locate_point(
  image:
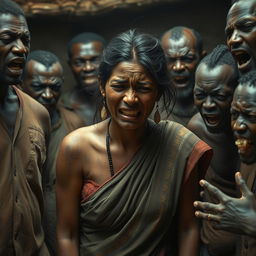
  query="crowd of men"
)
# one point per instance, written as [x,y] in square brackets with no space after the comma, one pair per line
[215,98]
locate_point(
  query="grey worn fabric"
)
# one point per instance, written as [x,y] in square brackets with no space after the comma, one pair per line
[132,213]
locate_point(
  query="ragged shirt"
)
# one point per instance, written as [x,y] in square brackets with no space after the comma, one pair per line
[22,159]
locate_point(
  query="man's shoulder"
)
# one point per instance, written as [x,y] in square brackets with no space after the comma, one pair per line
[33,110]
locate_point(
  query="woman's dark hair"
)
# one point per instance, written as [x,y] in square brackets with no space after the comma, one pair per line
[144,49]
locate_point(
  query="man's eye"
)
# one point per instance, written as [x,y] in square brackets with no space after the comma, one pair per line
[25,40]
[199,96]
[6,38]
[188,59]
[247,26]
[56,87]
[220,97]
[37,87]
[251,118]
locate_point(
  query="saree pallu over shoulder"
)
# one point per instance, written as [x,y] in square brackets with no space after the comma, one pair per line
[132,213]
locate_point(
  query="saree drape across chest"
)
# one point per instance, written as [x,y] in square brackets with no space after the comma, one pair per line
[132,213]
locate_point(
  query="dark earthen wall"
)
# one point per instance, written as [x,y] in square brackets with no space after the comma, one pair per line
[206,16]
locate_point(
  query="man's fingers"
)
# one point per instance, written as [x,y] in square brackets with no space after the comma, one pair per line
[213,191]
[207,207]
[242,185]
[207,216]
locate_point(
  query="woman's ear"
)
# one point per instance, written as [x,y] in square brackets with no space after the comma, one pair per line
[102,90]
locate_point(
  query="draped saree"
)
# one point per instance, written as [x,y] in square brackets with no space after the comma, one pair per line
[132,213]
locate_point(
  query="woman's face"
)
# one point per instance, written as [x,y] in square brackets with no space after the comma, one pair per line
[130,94]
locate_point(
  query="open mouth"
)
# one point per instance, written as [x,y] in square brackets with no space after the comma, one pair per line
[212,119]
[180,80]
[16,66]
[243,145]
[242,58]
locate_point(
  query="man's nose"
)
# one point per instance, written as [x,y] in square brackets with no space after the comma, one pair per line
[88,66]
[178,66]
[239,125]
[19,48]
[47,94]
[209,103]
[234,40]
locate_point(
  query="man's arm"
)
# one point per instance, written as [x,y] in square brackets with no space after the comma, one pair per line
[237,215]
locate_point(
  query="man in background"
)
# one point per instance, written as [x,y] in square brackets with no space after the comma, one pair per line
[84,55]
[43,80]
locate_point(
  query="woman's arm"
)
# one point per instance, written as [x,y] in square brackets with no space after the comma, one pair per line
[68,188]
[188,225]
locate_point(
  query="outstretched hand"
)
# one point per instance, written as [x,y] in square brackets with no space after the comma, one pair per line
[237,215]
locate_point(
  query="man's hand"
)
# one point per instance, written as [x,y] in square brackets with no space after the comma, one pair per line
[237,215]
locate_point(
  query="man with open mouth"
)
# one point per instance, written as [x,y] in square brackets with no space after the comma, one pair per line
[238,215]
[84,55]
[24,129]
[241,34]
[215,81]
[184,49]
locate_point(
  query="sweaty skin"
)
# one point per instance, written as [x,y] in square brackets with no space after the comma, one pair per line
[183,57]
[241,34]
[84,63]
[237,215]
[130,94]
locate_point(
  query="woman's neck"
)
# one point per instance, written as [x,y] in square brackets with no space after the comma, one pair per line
[127,137]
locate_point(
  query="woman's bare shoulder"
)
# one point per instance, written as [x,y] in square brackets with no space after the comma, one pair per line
[84,137]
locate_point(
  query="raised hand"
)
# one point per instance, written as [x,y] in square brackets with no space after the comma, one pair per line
[237,215]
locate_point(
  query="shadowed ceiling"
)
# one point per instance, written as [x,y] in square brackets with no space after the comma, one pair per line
[81,7]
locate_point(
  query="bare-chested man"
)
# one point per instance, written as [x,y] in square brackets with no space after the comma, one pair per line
[215,82]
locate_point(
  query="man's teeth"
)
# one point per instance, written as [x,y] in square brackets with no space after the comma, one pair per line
[242,143]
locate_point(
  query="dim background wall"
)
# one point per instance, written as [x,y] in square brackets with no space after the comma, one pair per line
[206,16]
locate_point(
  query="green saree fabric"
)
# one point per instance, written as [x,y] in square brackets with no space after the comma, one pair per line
[132,213]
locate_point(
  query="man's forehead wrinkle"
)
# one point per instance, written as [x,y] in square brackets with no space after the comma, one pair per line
[242,10]
[177,51]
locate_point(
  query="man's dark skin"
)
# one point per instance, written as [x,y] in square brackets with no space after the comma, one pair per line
[14,48]
[44,85]
[241,34]
[43,82]
[236,215]
[84,60]
[183,56]
[213,93]
[23,122]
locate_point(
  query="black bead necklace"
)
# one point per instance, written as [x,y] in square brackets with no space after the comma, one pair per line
[110,161]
